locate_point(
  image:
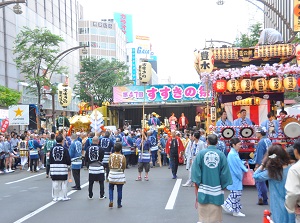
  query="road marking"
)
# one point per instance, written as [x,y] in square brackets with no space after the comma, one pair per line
[173,196]
[26,217]
[26,178]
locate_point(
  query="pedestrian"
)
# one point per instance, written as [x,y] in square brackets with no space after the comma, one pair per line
[292,185]
[23,148]
[211,175]
[174,150]
[94,157]
[144,157]
[260,151]
[117,165]
[107,145]
[183,122]
[127,144]
[47,148]
[195,148]
[59,162]
[274,168]
[75,155]
[237,168]
[33,147]
[172,121]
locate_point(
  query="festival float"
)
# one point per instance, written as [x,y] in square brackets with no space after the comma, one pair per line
[254,79]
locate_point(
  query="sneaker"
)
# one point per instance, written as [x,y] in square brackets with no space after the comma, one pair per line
[42,167]
[10,171]
[47,176]
[146,178]
[28,169]
[120,205]
[111,204]
[66,199]
[37,168]
[225,208]
[138,179]
[76,188]
[90,198]
[187,185]
[102,197]
[239,214]
[174,177]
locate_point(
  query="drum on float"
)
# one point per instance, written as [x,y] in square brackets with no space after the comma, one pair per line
[291,127]
[228,133]
[246,132]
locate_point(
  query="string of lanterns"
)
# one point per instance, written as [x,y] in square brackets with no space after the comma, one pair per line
[261,84]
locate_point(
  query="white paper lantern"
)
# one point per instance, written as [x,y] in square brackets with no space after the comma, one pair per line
[64,95]
[145,72]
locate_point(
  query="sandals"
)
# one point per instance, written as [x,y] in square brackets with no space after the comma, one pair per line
[146,178]
[138,179]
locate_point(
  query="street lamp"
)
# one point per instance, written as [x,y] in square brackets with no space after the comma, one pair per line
[59,57]
[17,8]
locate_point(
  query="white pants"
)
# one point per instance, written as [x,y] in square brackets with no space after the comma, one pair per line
[59,189]
[24,160]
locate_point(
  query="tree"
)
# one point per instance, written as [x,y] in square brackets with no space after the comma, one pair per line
[35,48]
[251,39]
[8,96]
[98,76]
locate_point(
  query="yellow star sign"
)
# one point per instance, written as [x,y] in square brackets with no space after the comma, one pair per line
[18,112]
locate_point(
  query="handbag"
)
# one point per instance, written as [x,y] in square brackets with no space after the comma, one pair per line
[248,179]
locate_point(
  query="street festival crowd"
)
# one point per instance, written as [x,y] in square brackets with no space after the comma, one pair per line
[212,164]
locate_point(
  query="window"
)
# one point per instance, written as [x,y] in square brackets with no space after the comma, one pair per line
[83,30]
[112,46]
[103,45]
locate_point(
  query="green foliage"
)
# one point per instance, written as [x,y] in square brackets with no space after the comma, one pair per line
[290,95]
[33,49]
[250,39]
[8,96]
[97,78]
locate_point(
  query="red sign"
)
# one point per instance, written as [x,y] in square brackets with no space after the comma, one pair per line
[5,124]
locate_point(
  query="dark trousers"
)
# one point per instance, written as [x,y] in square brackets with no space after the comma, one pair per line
[33,162]
[76,176]
[2,163]
[174,164]
[91,183]
[105,165]
[127,160]
[111,192]
[47,169]
[154,157]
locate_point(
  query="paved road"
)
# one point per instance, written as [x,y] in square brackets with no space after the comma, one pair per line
[26,197]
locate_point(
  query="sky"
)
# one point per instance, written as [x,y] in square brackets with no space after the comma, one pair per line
[176,27]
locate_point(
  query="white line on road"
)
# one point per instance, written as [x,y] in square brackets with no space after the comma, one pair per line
[26,178]
[26,217]
[173,196]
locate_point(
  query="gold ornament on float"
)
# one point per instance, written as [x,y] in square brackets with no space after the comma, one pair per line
[246,85]
[233,85]
[275,84]
[261,84]
[289,83]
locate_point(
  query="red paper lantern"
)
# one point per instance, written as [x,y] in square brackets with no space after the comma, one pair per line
[5,124]
[220,86]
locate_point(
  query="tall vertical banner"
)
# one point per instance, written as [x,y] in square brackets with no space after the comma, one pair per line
[133,65]
[124,22]
[296,15]
[18,115]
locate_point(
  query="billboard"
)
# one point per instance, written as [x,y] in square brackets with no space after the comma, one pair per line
[18,115]
[160,93]
[124,22]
